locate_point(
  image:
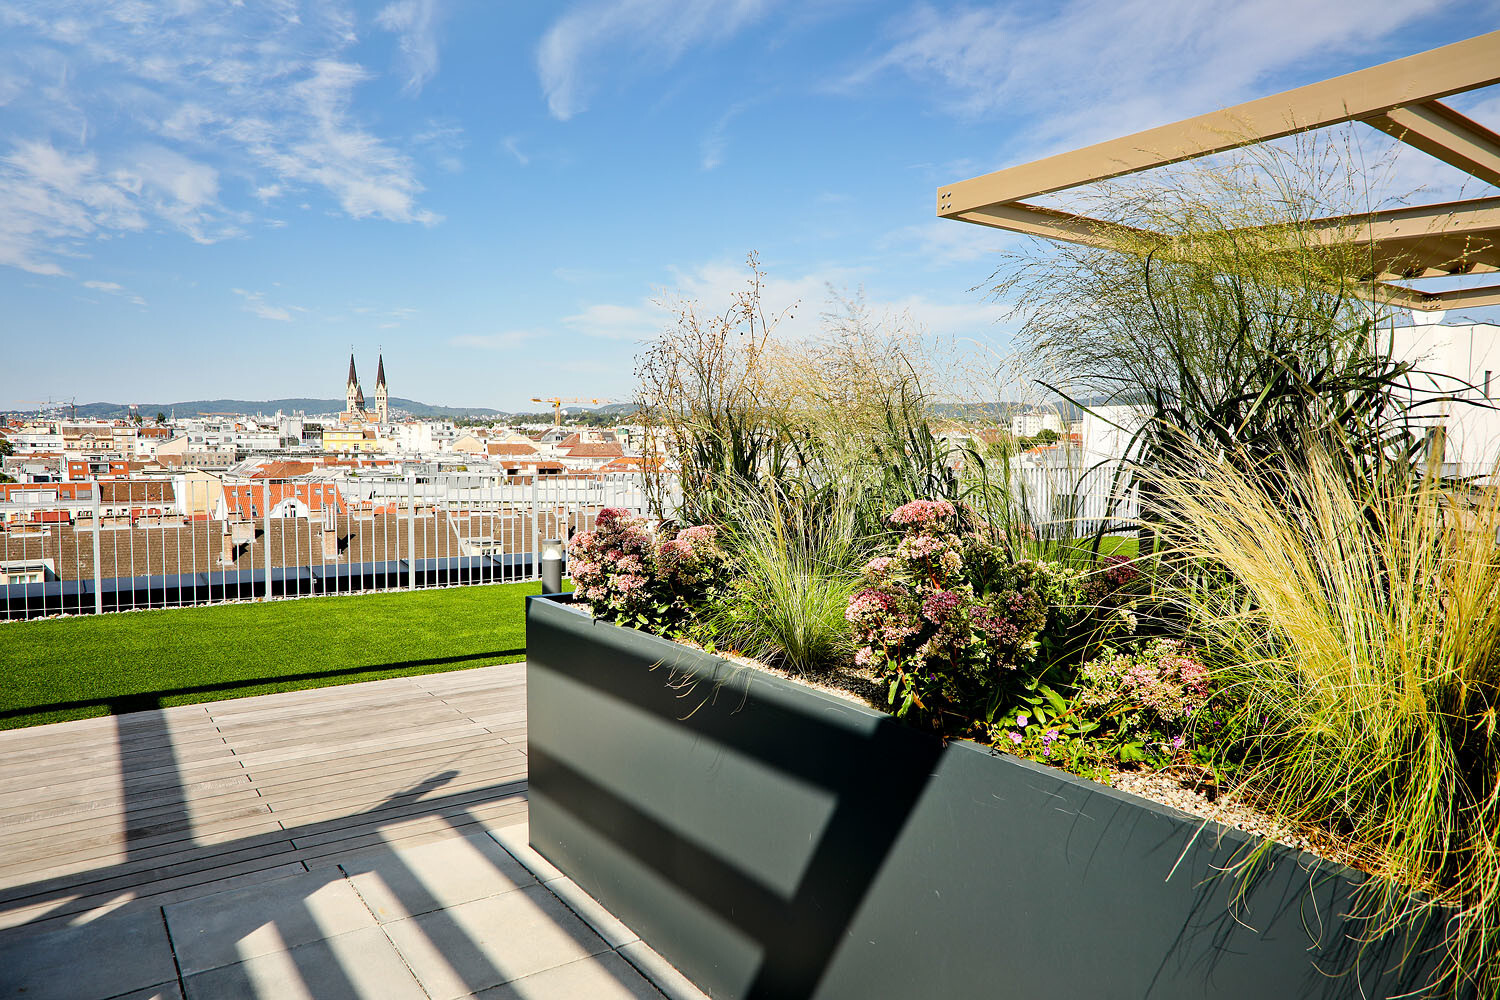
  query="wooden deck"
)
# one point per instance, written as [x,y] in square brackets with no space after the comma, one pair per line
[150,808]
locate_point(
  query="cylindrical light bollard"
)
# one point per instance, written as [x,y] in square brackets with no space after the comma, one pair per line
[552,565]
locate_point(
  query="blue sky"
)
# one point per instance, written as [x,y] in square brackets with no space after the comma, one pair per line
[204,199]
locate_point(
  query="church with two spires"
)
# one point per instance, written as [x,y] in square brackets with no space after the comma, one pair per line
[354,397]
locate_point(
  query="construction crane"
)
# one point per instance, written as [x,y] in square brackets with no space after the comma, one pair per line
[51,406]
[558,402]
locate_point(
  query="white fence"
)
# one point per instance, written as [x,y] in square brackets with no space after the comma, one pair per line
[193,539]
[1075,502]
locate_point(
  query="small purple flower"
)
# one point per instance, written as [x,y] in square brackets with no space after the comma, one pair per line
[1023,720]
[1016,738]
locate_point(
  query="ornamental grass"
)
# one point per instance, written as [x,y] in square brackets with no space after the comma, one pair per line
[1362,618]
[799,552]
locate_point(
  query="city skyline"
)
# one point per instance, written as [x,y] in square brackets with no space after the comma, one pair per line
[200,204]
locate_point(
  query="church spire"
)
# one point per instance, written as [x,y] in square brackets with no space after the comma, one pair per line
[380,373]
[353,378]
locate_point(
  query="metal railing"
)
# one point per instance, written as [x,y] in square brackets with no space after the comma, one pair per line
[1071,502]
[193,539]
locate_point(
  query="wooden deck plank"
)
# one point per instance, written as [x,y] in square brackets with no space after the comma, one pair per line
[154,807]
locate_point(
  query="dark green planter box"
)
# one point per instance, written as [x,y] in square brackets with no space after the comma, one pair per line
[772,841]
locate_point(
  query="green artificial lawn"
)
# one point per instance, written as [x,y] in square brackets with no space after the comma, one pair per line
[1110,545]
[1120,545]
[76,668]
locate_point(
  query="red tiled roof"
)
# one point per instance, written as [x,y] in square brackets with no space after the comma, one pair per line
[116,491]
[247,501]
[282,470]
[610,450]
[631,463]
[510,448]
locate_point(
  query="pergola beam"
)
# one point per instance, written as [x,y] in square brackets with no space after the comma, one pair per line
[1048,223]
[1426,76]
[1439,131]
[1402,98]
[1415,298]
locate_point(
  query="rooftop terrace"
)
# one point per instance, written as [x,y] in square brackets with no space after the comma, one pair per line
[364,841]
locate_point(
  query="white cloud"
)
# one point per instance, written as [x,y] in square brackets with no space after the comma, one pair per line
[255,302]
[443,140]
[619,322]
[179,190]
[957,319]
[715,146]
[53,201]
[796,304]
[115,288]
[944,241]
[141,114]
[415,24]
[1086,70]
[512,146]
[592,39]
[366,176]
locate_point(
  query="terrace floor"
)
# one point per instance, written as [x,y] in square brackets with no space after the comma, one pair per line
[349,842]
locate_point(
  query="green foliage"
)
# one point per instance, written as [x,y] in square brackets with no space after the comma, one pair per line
[652,580]
[1361,620]
[183,656]
[1217,305]
[959,626]
[912,465]
[798,552]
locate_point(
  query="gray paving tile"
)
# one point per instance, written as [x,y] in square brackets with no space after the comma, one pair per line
[515,839]
[407,881]
[229,927]
[113,954]
[359,965]
[474,946]
[662,973]
[605,924]
[599,977]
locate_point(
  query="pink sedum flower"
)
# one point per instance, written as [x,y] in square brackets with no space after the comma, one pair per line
[922,512]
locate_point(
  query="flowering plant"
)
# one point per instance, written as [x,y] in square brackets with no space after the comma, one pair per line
[1151,692]
[947,616]
[629,575]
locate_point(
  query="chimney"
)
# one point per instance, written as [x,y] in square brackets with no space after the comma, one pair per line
[330,534]
[226,556]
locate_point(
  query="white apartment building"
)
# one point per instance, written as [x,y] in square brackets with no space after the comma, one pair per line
[1032,421]
[1459,360]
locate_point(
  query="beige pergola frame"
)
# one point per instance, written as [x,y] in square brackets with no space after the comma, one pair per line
[1401,98]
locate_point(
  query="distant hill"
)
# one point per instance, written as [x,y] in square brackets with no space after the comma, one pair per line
[267,407]
[1002,410]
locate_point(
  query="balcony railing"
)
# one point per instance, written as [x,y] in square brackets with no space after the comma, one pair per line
[193,540]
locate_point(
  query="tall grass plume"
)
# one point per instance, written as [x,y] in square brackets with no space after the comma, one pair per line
[1360,617]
